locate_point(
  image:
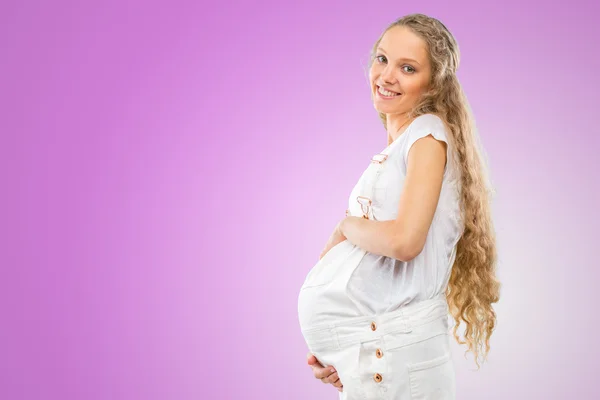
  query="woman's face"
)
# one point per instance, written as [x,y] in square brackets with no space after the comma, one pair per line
[401,65]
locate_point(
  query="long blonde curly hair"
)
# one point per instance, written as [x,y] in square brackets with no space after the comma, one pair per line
[473,286]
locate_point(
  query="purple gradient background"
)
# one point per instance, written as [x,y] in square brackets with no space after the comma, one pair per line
[171,171]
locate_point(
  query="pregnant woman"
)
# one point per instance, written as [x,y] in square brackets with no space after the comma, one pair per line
[417,242]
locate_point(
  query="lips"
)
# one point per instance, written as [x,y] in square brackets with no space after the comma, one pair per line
[386,97]
[387,89]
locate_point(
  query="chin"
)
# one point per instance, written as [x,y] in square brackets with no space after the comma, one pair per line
[383,109]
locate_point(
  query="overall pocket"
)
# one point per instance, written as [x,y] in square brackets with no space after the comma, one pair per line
[432,379]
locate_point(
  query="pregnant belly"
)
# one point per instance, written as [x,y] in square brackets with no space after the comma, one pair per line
[323,297]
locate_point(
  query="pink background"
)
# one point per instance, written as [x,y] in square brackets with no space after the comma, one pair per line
[171,171]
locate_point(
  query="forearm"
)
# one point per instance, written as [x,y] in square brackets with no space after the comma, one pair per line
[377,237]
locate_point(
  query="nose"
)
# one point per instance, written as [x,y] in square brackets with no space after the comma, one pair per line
[387,75]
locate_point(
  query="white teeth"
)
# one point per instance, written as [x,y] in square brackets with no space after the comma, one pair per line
[386,93]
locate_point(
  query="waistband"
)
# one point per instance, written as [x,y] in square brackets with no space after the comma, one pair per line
[351,331]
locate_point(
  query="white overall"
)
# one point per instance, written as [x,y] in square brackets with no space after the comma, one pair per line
[403,354]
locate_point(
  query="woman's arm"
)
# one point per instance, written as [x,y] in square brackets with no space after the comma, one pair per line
[377,237]
[404,237]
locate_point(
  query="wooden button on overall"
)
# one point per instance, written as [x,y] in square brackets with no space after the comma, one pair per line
[373,326]
[379,353]
[377,378]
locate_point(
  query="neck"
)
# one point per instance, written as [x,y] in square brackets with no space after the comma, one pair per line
[396,125]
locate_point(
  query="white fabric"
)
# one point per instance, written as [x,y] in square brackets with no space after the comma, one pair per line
[380,283]
[407,356]
[349,288]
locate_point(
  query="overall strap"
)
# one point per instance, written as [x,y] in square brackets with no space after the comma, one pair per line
[365,199]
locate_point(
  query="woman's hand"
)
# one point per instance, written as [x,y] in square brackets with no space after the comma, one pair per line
[336,237]
[326,375]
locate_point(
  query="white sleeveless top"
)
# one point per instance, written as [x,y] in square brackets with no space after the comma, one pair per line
[381,284]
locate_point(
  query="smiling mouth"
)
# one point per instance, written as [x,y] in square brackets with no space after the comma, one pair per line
[386,95]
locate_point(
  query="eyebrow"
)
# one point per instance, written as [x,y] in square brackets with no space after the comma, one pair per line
[406,59]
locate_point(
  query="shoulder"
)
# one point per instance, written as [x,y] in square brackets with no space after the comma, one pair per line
[429,121]
[423,126]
